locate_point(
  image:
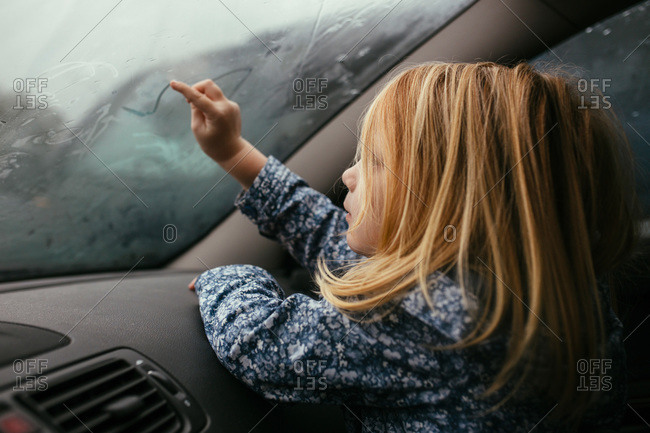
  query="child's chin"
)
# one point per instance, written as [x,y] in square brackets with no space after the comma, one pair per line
[351,244]
[354,247]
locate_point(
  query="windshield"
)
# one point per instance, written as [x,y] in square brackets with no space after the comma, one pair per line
[98,166]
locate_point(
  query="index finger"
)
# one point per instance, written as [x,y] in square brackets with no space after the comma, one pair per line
[209,88]
[200,100]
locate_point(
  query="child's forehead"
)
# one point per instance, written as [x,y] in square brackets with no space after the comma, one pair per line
[372,145]
[376,147]
[370,151]
[377,155]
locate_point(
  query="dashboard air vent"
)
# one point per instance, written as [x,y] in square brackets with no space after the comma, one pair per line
[112,396]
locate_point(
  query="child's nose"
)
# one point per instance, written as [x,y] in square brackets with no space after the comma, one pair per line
[348,178]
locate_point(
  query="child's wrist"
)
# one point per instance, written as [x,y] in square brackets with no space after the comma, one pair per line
[237,147]
[245,163]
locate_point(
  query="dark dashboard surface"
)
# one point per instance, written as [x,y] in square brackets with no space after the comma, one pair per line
[157,316]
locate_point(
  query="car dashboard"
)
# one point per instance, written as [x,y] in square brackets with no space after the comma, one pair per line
[120,354]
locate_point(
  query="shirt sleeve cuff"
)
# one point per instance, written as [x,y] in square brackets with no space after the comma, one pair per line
[258,202]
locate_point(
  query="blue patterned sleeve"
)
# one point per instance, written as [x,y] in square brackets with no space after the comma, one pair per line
[305,221]
[296,349]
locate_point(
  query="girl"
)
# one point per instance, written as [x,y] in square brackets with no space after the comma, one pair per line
[463,291]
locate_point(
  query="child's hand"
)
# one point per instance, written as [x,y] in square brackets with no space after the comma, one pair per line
[191,285]
[216,121]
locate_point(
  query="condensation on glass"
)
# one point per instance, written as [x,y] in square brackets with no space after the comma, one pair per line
[98,166]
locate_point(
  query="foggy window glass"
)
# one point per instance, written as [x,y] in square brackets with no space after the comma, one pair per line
[99,169]
[613,56]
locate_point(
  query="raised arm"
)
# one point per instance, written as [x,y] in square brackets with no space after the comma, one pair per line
[216,124]
[305,221]
[282,205]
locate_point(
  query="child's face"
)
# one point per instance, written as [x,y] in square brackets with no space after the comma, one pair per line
[364,239]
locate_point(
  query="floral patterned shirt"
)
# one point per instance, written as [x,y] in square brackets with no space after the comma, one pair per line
[383,373]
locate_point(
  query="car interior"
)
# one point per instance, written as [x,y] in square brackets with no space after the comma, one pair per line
[109,208]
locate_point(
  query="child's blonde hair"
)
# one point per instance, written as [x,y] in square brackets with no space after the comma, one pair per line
[503,172]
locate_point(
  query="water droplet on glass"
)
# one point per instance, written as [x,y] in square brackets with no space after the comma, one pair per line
[607,31]
[589,29]
[635,114]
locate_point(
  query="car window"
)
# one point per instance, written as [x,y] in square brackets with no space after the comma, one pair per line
[98,167]
[612,57]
